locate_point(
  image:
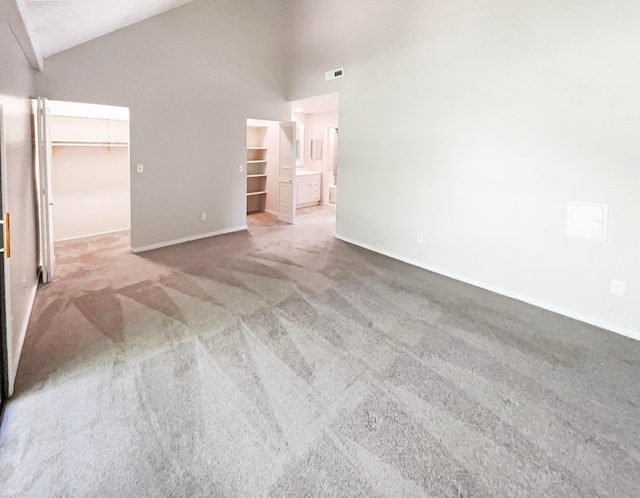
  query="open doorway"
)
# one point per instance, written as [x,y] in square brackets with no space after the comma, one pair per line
[317,166]
[84,170]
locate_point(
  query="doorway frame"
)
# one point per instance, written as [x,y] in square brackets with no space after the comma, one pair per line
[5,296]
[326,182]
[81,110]
[274,166]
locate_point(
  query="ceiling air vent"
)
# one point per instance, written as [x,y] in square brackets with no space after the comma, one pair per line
[336,73]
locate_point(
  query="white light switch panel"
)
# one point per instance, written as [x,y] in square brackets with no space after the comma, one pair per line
[140,168]
[241,168]
[587,220]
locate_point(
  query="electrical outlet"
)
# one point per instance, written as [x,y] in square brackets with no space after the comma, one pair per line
[420,238]
[140,168]
[618,288]
[241,168]
[203,216]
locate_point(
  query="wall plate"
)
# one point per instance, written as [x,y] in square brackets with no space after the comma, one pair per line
[587,220]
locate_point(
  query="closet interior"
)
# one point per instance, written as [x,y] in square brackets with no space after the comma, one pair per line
[90,177]
[262,166]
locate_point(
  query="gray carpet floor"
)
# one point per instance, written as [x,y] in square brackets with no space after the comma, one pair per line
[280,361]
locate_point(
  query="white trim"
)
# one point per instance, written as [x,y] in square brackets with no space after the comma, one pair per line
[93,235]
[14,359]
[187,239]
[4,260]
[24,33]
[633,334]
[326,181]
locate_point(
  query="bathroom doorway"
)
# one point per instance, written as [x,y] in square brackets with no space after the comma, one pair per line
[318,117]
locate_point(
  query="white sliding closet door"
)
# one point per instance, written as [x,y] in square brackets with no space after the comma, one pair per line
[43,160]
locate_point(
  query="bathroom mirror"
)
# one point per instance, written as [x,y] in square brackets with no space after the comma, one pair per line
[316,150]
[299,144]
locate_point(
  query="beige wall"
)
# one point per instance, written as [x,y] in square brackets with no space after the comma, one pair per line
[16,79]
[474,123]
[190,77]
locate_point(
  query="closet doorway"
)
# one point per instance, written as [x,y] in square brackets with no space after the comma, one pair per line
[270,172]
[83,171]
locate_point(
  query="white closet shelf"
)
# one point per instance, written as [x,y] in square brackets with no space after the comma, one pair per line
[257,161]
[257,176]
[256,193]
[88,143]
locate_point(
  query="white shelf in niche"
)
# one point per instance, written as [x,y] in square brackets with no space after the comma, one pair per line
[256,164]
[82,144]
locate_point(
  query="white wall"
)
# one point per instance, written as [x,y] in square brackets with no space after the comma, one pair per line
[191,77]
[91,187]
[475,123]
[91,191]
[16,79]
[97,111]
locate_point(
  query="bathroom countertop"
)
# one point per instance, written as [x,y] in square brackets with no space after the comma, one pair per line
[305,172]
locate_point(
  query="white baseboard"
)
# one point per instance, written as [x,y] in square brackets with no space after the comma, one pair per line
[633,334]
[187,239]
[92,235]
[17,352]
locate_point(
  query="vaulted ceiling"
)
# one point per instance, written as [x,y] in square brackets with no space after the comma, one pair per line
[61,24]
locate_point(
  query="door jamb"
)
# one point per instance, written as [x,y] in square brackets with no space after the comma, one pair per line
[5,296]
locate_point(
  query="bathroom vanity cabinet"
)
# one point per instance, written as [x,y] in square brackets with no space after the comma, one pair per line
[308,183]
